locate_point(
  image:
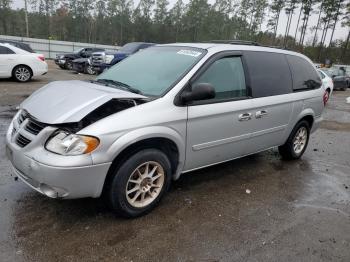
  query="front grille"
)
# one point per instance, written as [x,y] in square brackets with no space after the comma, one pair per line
[97,58]
[22,141]
[34,127]
[31,126]
[21,117]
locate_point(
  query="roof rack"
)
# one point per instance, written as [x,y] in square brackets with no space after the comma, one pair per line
[235,42]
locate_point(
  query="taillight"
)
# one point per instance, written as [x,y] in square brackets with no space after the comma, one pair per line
[41,57]
[325,97]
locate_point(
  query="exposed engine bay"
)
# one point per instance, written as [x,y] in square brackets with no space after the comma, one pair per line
[109,108]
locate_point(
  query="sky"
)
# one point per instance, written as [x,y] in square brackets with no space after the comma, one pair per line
[340,32]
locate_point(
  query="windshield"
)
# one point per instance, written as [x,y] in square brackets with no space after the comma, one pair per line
[154,70]
[78,50]
[129,48]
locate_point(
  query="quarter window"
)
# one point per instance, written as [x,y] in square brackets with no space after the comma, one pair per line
[304,74]
[226,75]
[5,51]
[269,74]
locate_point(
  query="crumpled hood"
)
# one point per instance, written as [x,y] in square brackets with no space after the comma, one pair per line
[70,101]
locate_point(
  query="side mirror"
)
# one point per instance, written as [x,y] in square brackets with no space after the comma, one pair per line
[201,91]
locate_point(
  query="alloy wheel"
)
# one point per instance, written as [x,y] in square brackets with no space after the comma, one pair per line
[22,74]
[145,184]
[300,140]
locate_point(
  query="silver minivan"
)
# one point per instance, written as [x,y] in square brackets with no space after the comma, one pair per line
[162,112]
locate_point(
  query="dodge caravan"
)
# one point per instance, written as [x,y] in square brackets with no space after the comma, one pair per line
[162,112]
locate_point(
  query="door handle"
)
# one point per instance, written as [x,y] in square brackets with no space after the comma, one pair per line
[245,117]
[260,114]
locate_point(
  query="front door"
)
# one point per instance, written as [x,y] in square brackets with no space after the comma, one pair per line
[218,128]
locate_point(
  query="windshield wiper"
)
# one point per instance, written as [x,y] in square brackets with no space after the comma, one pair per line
[119,84]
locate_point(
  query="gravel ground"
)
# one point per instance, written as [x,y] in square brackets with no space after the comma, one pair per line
[293,211]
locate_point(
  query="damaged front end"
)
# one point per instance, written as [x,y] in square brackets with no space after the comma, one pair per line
[33,126]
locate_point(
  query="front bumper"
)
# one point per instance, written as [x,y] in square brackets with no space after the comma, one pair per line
[58,177]
[60,61]
[99,68]
[79,67]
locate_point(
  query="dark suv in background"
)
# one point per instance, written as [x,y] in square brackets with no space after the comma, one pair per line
[65,61]
[104,60]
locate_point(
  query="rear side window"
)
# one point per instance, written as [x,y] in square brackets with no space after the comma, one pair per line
[304,74]
[269,74]
[5,51]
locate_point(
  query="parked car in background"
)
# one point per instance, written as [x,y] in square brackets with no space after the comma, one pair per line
[327,84]
[83,65]
[162,112]
[20,45]
[65,61]
[104,60]
[341,79]
[20,64]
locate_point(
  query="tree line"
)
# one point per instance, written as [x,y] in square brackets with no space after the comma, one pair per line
[121,21]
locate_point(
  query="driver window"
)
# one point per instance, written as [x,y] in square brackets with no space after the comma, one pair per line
[226,75]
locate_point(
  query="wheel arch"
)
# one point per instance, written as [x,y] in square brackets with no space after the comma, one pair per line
[13,69]
[165,139]
[307,115]
[166,145]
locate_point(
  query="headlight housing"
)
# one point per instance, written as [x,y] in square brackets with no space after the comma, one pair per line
[67,144]
[109,58]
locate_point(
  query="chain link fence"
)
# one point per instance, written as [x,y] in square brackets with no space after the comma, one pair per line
[50,48]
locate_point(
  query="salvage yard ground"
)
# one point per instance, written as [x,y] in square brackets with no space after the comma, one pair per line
[257,208]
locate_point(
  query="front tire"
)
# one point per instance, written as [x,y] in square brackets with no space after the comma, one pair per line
[297,141]
[89,70]
[22,73]
[138,185]
[69,65]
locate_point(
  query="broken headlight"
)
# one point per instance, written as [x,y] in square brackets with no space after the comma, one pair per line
[67,144]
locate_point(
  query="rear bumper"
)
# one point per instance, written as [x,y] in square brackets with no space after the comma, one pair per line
[41,70]
[317,123]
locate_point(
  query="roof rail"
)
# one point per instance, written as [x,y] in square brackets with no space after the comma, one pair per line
[234,42]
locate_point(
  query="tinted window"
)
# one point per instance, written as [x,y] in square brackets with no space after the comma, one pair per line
[5,50]
[269,74]
[304,74]
[227,77]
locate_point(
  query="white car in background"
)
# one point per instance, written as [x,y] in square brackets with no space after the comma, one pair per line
[20,64]
[327,84]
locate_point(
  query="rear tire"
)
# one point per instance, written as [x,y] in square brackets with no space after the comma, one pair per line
[297,141]
[22,73]
[132,190]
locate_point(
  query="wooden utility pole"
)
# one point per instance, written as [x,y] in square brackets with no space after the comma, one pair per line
[26,17]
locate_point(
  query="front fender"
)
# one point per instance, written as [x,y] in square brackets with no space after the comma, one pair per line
[137,135]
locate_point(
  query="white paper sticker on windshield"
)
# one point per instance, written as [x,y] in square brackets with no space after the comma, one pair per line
[189,52]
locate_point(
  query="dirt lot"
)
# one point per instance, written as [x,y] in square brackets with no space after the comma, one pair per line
[295,211]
